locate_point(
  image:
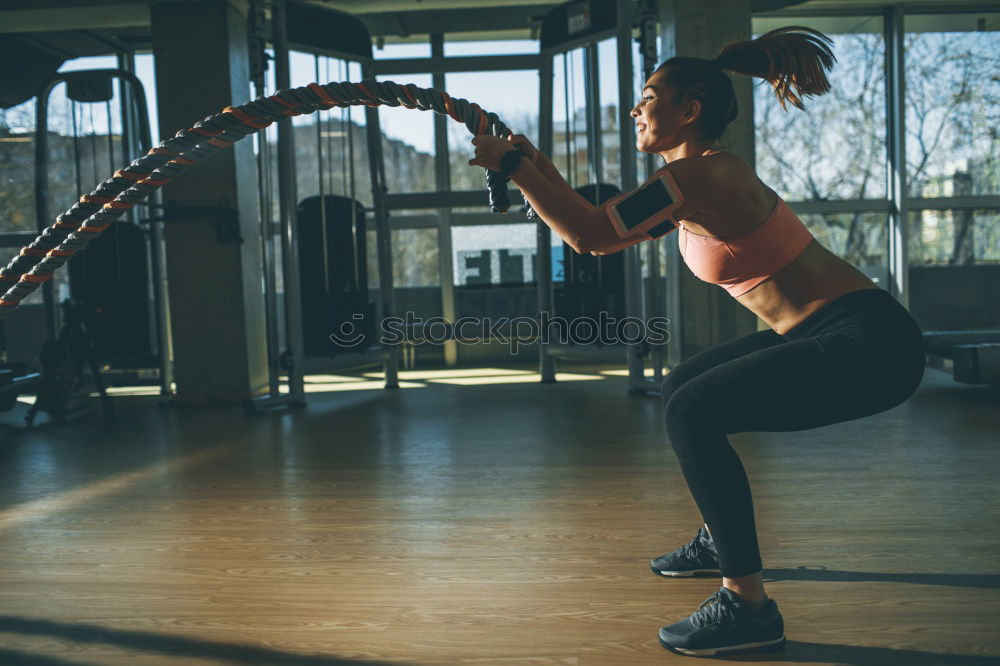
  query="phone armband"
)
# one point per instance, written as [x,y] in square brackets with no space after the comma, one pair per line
[647,211]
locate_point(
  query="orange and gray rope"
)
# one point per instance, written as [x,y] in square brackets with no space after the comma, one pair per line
[130,186]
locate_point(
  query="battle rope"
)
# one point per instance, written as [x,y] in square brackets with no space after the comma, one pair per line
[96,211]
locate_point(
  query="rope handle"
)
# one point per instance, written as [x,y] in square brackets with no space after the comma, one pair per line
[130,186]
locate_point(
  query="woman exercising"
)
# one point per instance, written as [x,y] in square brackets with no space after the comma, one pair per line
[839,348]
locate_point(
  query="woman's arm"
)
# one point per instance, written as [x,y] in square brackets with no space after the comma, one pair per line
[621,245]
[581,224]
[546,167]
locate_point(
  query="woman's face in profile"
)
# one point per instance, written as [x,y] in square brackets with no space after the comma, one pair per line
[659,122]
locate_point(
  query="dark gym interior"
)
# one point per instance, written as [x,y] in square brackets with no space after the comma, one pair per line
[210,453]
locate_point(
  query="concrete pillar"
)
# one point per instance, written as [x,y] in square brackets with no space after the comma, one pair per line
[709,315]
[216,295]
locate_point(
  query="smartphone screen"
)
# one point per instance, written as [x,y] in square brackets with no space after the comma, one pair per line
[646,202]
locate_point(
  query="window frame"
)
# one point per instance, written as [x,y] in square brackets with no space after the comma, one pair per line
[897,204]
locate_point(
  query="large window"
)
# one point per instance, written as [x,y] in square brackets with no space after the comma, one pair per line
[414,256]
[408,142]
[483,254]
[952,108]
[400,51]
[638,83]
[455,47]
[858,237]
[17,163]
[831,161]
[835,149]
[952,140]
[415,263]
[569,118]
[331,151]
[512,95]
[85,148]
[609,120]
[954,237]
[570,147]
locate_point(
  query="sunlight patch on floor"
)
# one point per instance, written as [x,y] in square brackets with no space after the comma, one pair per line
[457,372]
[519,379]
[349,386]
[623,372]
[72,499]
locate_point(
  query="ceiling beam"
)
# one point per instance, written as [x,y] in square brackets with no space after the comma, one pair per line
[133,14]
[479,19]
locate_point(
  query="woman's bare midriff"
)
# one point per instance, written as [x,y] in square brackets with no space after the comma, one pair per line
[810,281]
[813,279]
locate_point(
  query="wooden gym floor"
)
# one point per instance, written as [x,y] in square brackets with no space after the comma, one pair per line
[483,523]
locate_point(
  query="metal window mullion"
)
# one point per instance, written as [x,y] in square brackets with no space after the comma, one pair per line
[592,88]
[428,221]
[429,200]
[432,220]
[287,200]
[658,302]
[975,202]
[131,147]
[840,206]
[455,64]
[383,238]
[268,257]
[546,82]
[41,195]
[831,12]
[580,42]
[896,164]
[570,134]
[633,276]
[667,15]
[856,10]
[442,176]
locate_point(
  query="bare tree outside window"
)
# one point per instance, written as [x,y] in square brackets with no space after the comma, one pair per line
[953,140]
[835,149]
[952,113]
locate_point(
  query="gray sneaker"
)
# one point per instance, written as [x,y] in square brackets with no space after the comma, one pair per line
[697,557]
[724,624]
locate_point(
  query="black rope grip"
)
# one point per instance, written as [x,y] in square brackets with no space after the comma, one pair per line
[497,185]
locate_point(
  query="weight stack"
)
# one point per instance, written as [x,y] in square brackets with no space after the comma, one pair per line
[110,279]
[333,276]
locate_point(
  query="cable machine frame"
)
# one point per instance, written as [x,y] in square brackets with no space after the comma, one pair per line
[136,140]
[639,302]
[292,359]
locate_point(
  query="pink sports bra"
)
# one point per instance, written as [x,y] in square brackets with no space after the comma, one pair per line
[740,263]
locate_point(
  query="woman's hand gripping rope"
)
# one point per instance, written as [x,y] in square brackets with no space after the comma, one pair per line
[490,150]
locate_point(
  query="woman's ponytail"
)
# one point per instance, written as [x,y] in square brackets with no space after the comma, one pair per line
[793,59]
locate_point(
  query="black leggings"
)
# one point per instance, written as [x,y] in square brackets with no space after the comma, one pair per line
[858,355]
